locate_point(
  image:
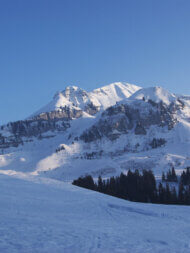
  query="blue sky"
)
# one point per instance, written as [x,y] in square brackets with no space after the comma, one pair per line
[46,45]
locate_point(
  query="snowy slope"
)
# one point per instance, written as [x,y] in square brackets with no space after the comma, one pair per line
[72,97]
[156,94]
[44,216]
[75,97]
[110,94]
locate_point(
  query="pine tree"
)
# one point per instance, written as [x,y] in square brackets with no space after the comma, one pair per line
[181,194]
[174,196]
[173,174]
[187,196]
[136,186]
[100,184]
[169,176]
[161,194]
[163,177]
[168,196]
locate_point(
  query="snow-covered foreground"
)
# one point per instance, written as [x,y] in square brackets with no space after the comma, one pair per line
[44,215]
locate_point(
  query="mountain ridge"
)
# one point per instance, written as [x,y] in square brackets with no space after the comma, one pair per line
[102,98]
[143,128]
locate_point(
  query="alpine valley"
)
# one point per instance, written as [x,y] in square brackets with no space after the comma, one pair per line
[103,132]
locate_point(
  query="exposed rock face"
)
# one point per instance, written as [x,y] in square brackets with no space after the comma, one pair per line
[91,109]
[28,129]
[35,127]
[140,130]
[157,142]
[65,113]
[137,115]
[11,141]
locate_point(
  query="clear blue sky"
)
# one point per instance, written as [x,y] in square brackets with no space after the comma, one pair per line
[46,45]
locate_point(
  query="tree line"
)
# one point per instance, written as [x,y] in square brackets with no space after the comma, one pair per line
[142,187]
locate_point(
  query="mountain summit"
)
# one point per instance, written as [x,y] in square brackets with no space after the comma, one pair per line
[155,94]
[102,98]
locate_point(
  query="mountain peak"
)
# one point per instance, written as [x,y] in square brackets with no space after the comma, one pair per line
[101,98]
[68,90]
[156,94]
[109,95]
[73,91]
[72,87]
[127,88]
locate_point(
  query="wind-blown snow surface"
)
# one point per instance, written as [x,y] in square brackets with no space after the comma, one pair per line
[44,216]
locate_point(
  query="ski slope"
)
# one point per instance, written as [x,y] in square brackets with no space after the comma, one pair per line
[44,215]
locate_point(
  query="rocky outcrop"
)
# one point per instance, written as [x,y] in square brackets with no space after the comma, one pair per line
[137,115]
[139,129]
[11,141]
[65,113]
[52,121]
[156,143]
[91,109]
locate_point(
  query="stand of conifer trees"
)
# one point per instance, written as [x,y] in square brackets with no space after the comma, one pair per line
[142,187]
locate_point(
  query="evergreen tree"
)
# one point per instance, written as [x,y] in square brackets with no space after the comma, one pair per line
[187,196]
[161,194]
[173,175]
[163,177]
[174,196]
[168,196]
[100,185]
[181,195]
[185,177]
[141,187]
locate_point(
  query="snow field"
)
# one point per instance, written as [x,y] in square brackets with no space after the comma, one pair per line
[43,215]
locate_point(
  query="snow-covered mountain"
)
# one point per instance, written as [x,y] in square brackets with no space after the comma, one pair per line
[103,132]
